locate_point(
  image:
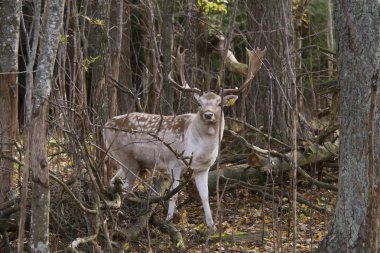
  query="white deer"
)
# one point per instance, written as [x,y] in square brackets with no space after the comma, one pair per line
[136,141]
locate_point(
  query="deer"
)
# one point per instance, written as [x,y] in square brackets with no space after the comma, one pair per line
[136,139]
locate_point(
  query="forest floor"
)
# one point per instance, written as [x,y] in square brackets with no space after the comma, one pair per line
[250,223]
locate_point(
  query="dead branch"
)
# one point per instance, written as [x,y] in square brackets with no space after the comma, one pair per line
[168,228]
[80,240]
[67,189]
[265,160]
[256,130]
[265,191]
[242,172]
[311,154]
[135,229]
[73,246]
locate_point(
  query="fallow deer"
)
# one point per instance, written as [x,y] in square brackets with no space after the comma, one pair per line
[136,140]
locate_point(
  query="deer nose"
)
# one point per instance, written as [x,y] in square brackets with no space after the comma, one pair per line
[208,115]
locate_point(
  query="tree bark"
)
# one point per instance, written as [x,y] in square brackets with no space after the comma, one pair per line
[166,90]
[116,20]
[40,200]
[357,28]
[100,96]
[124,102]
[266,25]
[151,79]
[9,39]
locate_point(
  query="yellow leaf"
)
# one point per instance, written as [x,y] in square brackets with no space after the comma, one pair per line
[125,246]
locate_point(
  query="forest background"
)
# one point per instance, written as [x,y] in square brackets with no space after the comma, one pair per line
[297,170]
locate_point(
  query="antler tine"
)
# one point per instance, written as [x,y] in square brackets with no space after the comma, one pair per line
[255,62]
[180,67]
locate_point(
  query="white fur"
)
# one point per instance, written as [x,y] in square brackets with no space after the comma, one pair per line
[199,139]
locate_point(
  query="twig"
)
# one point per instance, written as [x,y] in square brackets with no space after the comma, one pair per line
[169,229]
[67,189]
[249,126]
[315,181]
[255,148]
[263,190]
[286,158]
[81,240]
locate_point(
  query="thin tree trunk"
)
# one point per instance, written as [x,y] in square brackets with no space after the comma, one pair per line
[293,116]
[9,39]
[117,36]
[40,201]
[151,76]
[116,22]
[190,43]
[100,98]
[166,91]
[125,103]
[32,52]
[330,37]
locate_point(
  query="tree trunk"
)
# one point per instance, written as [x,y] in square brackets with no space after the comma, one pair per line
[124,102]
[40,201]
[100,99]
[268,96]
[116,20]
[357,40]
[151,77]
[166,90]
[190,43]
[9,39]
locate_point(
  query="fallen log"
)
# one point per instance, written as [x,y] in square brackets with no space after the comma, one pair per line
[242,172]
[261,161]
[312,154]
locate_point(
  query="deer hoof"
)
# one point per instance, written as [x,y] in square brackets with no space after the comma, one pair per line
[212,229]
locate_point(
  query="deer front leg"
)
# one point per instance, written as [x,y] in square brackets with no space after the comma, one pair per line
[119,174]
[201,182]
[127,173]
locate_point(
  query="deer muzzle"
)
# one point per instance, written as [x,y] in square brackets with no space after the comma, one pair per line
[208,116]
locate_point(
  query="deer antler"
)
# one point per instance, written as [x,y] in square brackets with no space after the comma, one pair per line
[255,61]
[180,67]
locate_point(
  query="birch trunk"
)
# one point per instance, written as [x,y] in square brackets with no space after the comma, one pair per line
[40,200]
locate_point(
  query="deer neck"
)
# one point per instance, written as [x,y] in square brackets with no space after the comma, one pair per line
[206,129]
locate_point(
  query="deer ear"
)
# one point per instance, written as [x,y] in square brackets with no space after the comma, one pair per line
[229,100]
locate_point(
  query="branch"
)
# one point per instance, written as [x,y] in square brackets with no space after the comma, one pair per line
[67,189]
[73,246]
[256,130]
[169,229]
[311,154]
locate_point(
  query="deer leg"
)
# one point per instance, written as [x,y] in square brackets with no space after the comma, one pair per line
[119,174]
[175,174]
[201,182]
[127,174]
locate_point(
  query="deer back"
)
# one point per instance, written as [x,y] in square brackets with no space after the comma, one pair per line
[144,137]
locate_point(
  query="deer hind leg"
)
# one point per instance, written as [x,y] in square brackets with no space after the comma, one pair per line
[201,182]
[175,175]
[127,173]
